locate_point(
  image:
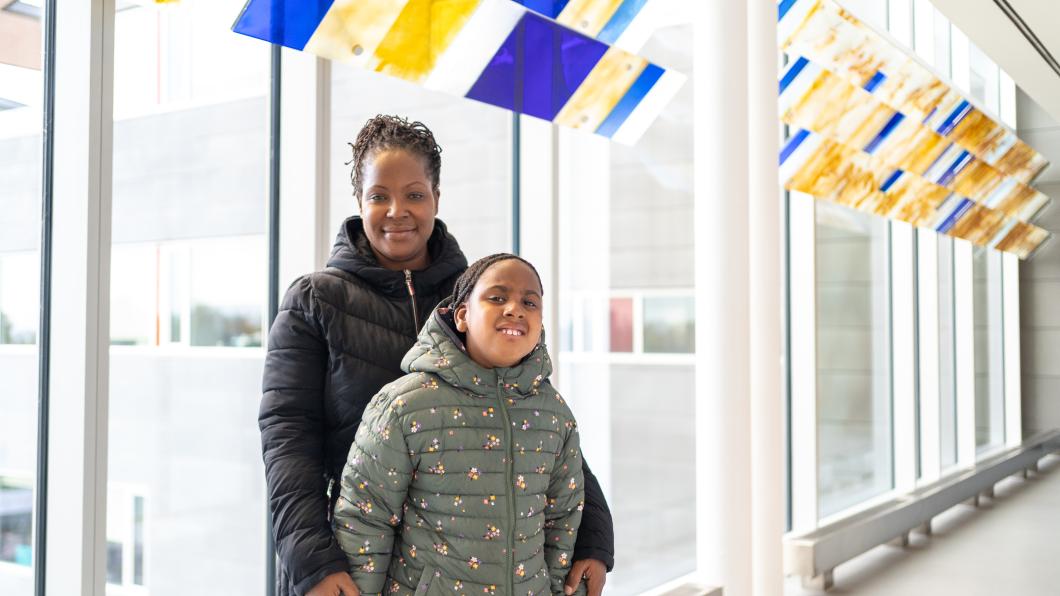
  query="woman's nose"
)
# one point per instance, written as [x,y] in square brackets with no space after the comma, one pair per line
[397,208]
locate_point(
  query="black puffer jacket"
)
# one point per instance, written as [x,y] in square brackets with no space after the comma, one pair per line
[339,337]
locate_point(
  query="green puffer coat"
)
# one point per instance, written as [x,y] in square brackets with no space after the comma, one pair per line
[462,480]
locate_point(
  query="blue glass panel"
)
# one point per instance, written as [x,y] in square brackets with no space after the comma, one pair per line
[289,23]
[955,117]
[538,68]
[630,100]
[793,144]
[961,209]
[549,8]
[875,81]
[620,20]
[955,168]
[891,180]
[792,72]
[895,120]
[783,7]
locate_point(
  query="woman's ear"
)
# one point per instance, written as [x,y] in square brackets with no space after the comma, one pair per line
[460,316]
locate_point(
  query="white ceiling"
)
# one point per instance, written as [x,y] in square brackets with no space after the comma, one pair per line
[990,29]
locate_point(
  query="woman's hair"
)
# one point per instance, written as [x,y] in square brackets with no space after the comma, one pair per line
[394,132]
[467,280]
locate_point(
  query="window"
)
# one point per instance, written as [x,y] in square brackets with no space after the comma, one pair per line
[188,292]
[626,320]
[853,358]
[21,121]
[947,356]
[989,358]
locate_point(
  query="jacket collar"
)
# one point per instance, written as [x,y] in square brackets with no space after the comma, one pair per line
[352,253]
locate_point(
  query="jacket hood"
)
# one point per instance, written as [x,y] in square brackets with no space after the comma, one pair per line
[352,253]
[440,350]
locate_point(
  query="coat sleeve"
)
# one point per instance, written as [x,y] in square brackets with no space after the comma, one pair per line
[596,536]
[292,424]
[375,482]
[563,514]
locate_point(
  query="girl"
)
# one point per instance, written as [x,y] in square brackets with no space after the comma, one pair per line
[466,474]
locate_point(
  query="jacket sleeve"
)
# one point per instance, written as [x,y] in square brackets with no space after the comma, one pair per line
[292,424]
[375,482]
[596,536]
[563,514]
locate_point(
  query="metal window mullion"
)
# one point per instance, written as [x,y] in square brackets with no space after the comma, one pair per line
[274,264]
[44,333]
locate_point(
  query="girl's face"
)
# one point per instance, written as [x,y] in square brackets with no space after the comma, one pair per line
[398,206]
[502,317]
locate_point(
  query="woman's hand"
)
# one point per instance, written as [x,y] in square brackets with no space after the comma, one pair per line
[592,571]
[336,584]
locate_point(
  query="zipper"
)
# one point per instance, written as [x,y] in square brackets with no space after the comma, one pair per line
[510,491]
[412,298]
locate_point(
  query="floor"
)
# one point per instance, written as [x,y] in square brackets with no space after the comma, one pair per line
[1009,546]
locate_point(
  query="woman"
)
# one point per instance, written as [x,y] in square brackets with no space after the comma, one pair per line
[340,336]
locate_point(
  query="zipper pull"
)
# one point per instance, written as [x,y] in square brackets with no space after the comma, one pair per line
[412,298]
[408,283]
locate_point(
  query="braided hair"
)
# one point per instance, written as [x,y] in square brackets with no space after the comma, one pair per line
[394,132]
[467,280]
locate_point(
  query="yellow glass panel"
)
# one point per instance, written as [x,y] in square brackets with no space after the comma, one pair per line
[588,16]
[423,31]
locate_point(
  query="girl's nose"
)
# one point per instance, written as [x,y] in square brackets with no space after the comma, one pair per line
[514,310]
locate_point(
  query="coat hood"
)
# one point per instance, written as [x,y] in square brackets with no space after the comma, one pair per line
[353,253]
[440,350]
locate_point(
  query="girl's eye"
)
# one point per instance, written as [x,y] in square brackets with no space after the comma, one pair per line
[530,303]
[497,299]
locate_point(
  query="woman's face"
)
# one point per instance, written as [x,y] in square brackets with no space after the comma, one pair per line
[502,317]
[398,206]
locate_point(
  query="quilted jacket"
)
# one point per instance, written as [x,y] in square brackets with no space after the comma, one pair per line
[462,479]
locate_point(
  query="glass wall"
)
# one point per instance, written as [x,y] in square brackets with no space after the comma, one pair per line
[854,429]
[21,122]
[185,502]
[627,327]
[476,141]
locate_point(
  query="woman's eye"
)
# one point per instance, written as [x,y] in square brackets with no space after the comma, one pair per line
[416,196]
[376,198]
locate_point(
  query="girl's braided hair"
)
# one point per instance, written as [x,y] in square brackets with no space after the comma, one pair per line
[467,280]
[394,132]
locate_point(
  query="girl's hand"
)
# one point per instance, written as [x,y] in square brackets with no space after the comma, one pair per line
[336,584]
[592,571]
